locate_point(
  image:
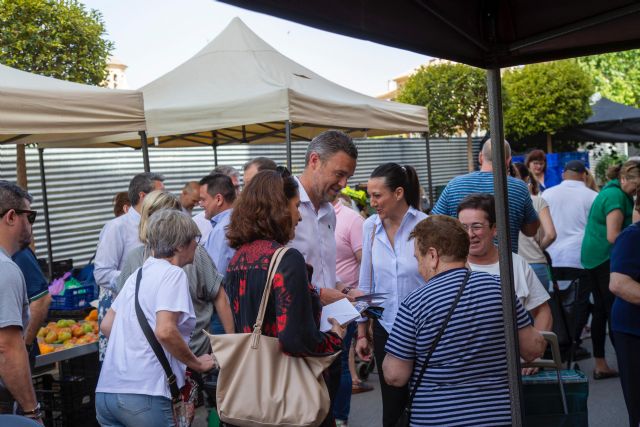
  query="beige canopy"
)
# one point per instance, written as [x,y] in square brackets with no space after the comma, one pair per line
[35,108]
[240,89]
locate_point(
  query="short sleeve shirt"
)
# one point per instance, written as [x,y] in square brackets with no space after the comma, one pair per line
[37,284]
[625,316]
[521,210]
[348,242]
[469,366]
[595,246]
[14,303]
[130,365]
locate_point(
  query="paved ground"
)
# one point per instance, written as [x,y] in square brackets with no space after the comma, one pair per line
[606,404]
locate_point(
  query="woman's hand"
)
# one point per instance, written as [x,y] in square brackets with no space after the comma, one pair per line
[363,349]
[336,328]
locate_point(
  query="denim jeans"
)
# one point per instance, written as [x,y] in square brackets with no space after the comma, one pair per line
[133,410]
[342,402]
[216,327]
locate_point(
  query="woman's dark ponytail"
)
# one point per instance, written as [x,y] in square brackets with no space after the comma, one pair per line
[400,176]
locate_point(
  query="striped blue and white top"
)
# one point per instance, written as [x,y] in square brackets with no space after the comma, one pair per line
[521,209]
[466,381]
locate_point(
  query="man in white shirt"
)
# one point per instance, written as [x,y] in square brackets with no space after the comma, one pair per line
[476,212]
[117,238]
[330,161]
[569,204]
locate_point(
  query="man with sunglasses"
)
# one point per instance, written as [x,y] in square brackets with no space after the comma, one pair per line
[16,219]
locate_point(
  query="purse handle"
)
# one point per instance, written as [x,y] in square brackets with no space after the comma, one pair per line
[273,265]
[436,340]
[155,345]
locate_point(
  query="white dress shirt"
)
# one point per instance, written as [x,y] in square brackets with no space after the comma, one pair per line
[118,237]
[569,204]
[315,239]
[217,245]
[528,288]
[395,268]
[204,225]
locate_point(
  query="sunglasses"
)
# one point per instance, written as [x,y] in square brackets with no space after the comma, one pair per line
[31,215]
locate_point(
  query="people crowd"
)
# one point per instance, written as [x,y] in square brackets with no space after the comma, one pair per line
[439,344]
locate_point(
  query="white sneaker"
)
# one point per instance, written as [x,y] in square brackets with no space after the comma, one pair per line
[341,423]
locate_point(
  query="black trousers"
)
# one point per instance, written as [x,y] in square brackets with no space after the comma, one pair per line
[628,354]
[603,301]
[394,399]
[578,312]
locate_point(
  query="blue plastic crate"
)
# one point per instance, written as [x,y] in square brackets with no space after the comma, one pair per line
[73,299]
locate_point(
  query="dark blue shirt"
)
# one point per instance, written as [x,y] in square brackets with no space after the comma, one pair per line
[37,284]
[625,259]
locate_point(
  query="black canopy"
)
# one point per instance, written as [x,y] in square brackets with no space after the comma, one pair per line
[486,34]
[609,122]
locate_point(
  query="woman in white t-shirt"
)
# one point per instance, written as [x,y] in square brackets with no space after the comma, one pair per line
[532,248]
[133,388]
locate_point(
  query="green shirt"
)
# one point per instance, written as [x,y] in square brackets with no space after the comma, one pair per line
[595,246]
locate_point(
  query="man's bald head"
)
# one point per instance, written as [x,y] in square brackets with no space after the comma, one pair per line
[190,195]
[486,154]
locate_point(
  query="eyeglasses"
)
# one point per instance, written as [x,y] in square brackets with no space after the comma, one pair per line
[31,215]
[475,227]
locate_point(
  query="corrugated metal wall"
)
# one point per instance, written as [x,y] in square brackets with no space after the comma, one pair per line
[81,182]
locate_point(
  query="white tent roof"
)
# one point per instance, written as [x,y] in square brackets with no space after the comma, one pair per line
[245,90]
[35,108]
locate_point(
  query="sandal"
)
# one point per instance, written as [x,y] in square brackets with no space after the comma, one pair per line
[360,387]
[602,375]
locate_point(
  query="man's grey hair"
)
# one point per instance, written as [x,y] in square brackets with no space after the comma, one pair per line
[487,152]
[12,196]
[262,163]
[331,142]
[143,182]
[169,229]
[230,171]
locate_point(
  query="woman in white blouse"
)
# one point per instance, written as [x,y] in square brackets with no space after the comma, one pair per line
[388,265]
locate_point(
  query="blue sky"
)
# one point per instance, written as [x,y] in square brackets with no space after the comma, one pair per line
[154,36]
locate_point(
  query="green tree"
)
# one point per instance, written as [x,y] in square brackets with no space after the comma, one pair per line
[544,98]
[456,97]
[55,38]
[615,75]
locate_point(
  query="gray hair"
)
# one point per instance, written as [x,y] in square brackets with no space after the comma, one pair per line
[262,163]
[142,183]
[12,196]
[229,171]
[169,229]
[331,142]
[487,152]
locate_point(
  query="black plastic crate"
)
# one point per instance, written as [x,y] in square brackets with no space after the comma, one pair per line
[86,366]
[67,402]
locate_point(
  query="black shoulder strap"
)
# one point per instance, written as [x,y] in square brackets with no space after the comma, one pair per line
[155,345]
[437,339]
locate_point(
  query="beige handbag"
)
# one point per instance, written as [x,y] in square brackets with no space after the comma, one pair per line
[259,385]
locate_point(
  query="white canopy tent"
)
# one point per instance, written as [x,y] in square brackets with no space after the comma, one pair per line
[36,109]
[239,89]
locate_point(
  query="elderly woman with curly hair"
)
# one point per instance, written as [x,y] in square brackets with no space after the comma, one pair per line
[264,219]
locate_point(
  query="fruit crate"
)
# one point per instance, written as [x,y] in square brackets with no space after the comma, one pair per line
[67,402]
[73,299]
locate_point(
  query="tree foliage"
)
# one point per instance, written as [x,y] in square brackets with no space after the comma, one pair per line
[615,75]
[545,98]
[454,94]
[56,38]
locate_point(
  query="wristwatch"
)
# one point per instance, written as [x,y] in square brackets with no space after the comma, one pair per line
[35,413]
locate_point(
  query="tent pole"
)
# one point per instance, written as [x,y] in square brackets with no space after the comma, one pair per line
[145,150]
[45,205]
[504,244]
[429,177]
[287,126]
[214,145]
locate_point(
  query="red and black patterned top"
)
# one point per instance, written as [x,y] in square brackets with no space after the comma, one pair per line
[293,310]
